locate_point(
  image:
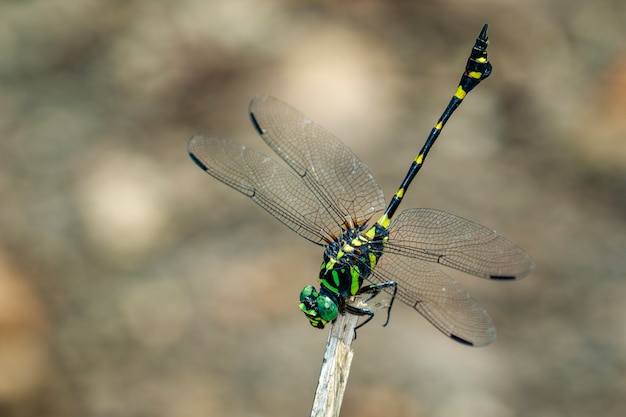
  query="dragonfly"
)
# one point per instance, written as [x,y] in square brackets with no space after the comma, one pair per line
[327,195]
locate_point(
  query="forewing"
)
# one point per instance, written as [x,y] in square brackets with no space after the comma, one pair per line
[272,186]
[440,237]
[334,174]
[437,297]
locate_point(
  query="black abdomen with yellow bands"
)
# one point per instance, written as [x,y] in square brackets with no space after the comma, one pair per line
[477,69]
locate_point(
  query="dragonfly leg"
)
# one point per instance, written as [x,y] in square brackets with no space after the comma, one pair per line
[360,312]
[374,289]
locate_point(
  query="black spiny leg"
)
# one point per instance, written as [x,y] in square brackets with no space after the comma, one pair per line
[360,312]
[372,291]
[375,289]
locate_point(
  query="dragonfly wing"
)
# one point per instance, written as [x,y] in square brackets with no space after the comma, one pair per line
[437,297]
[272,186]
[332,172]
[440,237]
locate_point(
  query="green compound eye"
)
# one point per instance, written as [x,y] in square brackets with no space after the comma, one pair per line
[326,308]
[308,293]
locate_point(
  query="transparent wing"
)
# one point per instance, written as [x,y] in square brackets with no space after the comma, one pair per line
[437,297]
[334,174]
[272,186]
[440,237]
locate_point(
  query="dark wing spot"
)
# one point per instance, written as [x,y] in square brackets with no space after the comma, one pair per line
[198,162]
[462,341]
[501,277]
[256,124]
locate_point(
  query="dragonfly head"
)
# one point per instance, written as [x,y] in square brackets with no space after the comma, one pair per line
[319,309]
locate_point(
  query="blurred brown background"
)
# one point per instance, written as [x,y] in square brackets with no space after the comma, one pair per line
[133,284]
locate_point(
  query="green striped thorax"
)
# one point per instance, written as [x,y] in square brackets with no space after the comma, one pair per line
[348,260]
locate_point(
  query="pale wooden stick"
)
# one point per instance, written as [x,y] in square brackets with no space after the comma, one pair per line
[335,367]
[338,359]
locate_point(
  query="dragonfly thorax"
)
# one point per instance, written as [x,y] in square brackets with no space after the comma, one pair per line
[348,260]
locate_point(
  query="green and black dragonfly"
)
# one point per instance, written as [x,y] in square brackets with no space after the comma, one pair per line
[328,196]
